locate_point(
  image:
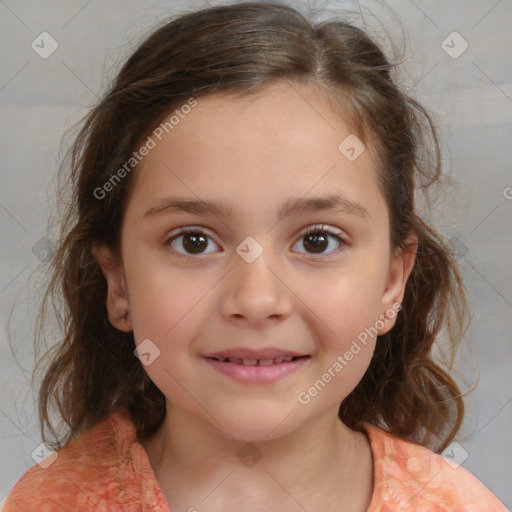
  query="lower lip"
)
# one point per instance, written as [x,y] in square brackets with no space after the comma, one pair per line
[257,374]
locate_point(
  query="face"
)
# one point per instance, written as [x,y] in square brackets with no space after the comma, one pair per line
[220,310]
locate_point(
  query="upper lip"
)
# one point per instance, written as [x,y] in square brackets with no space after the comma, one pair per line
[247,353]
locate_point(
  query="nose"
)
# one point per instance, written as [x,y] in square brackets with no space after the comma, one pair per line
[256,293]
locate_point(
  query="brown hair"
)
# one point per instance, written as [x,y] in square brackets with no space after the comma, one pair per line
[239,49]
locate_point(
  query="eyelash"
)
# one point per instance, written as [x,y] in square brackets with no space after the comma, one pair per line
[317,229]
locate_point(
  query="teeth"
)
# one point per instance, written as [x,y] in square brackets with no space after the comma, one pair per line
[255,362]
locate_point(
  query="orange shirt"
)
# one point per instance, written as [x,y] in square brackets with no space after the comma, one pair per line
[107,469]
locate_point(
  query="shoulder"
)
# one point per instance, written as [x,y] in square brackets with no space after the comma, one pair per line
[409,476]
[86,472]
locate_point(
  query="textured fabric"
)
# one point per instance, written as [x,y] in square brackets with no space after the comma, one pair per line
[107,469]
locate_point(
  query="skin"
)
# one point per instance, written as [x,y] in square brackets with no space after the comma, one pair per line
[256,153]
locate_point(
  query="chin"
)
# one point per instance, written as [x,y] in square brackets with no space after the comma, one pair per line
[256,425]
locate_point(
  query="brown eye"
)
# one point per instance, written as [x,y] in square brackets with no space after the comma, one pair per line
[193,242]
[316,242]
[318,239]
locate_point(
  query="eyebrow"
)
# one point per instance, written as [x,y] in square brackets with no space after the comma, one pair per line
[334,203]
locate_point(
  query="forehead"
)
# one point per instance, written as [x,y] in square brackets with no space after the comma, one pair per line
[291,110]
[281,142]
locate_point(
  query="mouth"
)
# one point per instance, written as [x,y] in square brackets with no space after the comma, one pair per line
[254,369]
[257,362]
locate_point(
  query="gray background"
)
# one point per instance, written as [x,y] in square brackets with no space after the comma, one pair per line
[471,96]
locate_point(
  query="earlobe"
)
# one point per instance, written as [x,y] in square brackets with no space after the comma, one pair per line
[117,298]
[400,269]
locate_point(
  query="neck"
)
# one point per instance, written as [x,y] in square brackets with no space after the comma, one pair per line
[318,464]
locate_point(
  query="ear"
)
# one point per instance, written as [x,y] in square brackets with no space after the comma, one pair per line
[117,296]
[400,269]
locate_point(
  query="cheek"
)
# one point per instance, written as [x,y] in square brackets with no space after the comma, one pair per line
[169,310]
[342,304]
[167,305]
[344,321]
[344,311]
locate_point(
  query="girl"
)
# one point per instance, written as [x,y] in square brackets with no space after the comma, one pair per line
[252,298]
